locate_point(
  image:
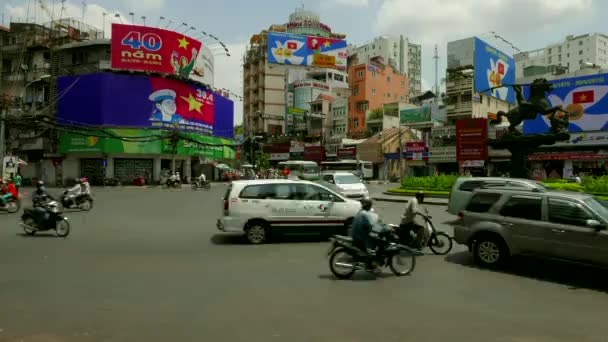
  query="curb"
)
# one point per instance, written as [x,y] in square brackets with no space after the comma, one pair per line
[412,195]
[403,200]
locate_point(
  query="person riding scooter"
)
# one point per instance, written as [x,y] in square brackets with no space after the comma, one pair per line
[7,191]
[408,220]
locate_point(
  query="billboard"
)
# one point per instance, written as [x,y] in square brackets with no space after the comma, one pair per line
[584,97]
[295,49]
[492,69]
[204,67]
[108,99]
[422,114]
[471,139]
[153,49]
[416,150]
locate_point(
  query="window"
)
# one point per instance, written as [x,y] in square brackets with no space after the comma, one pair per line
[567,212]
[402,84]
[356,90]
[339,78]
[362,106]
[568,55]
[388,94]
[402,98]
[550,60]
[361,74]
[306,192]
[580,42]
[374,91]
[549,51]
[388,79]
[527,208]
[580,52]
[470,185]
[267,191]
[373,74]
[481,203]
[559,49]
[559,58]
[356,122]
[328,178]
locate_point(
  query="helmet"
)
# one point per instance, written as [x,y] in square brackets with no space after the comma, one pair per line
[83,180]
[366,203]
[39,184]
[420,196]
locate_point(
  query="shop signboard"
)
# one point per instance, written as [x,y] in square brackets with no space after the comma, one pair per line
[416,150]
[568,155]
[493,68]
[583,97]
[347,153]
[203,146]
[138,101]
[585,139]
[443,131]
[279,156]
[471,139]
[446,154]
[312,51]
[422,114]
[314,153]
[153,49]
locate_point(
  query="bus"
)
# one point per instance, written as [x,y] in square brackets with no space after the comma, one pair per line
[308,170]
[354,166]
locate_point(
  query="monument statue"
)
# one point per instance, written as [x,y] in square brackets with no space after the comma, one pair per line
[537,104]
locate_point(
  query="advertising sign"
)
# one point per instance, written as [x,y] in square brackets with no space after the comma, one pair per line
[118,100]
[295,49]
[152,49]
[421,114]
[347,152]
[471,139]
[584,97]
[492,69]
[203,70]
[9,167]
[416,150]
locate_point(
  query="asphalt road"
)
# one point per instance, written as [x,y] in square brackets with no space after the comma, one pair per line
[149,265]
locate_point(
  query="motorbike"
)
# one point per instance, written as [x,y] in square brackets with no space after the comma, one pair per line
[345,259]
[440,243]
[111,182]
[82,201]
[12,205]
[197,183]
[46,216]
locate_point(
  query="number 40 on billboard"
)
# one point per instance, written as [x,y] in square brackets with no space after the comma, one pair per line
[150,41]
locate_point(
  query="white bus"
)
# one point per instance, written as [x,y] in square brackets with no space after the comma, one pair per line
[366,168]
[308,170]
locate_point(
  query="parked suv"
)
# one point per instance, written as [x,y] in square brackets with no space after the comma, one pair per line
[462,189]
[498,223]
[261,207]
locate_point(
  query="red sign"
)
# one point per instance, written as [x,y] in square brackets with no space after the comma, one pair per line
[567,156]
[314,153]
[350,152]
[586,96]
[416,147]
[471,139]
[152,49]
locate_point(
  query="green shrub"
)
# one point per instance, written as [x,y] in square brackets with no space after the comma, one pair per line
[567,186]
[598,185]
[429,182]
[555,180]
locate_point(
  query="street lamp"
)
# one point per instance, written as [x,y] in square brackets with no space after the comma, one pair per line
[42,77]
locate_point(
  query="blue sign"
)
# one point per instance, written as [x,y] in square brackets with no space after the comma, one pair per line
[295,49]
[583,97]
[492,69]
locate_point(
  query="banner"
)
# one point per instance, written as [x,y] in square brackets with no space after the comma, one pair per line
[107,99]
[295,49]
[153,49]
[492,69]
[422,114]
[471,139]
[416,150]
[584,97]
[9,167]
[82,143]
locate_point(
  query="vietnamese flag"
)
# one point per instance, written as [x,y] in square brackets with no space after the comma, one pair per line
[586,96]
[501,68]
[292,45]
[315,43]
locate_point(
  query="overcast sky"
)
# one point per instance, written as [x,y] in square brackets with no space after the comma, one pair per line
[528,24]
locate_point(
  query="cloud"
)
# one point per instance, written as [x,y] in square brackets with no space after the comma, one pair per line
[228,75]
[354,3]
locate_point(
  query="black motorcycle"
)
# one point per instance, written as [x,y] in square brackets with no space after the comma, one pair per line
[45,216]
[345,259]
[197,183]
[174,183]
[82,201]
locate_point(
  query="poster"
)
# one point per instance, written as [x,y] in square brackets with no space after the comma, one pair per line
[138,101]
[492,69]
[295,49]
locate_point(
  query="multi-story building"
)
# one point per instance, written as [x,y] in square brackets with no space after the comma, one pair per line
[462,102]
[265,84]
[403,55]
[373,84]
[570,55]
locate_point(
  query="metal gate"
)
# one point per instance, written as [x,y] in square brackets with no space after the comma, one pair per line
[93,169]
[125,170]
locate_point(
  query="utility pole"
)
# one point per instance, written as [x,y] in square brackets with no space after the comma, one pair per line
[400,153]
[436,58]
[2,147]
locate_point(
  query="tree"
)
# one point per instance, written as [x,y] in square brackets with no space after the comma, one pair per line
[263,161]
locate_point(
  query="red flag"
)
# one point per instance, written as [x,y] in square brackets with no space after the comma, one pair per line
[586,96]
[292,45]
[501,68]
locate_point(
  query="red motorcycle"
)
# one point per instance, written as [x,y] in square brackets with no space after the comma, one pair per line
[140,181]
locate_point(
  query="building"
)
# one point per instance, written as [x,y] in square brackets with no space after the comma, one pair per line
[382,149]
[373,85]
[462,101]
[399,52]
[265,84]
[570,55]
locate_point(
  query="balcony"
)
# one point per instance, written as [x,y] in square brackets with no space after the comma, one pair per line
[35,75]
[459,109]
[464,86]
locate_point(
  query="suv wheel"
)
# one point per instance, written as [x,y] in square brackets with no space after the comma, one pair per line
[256,233]
[489,251]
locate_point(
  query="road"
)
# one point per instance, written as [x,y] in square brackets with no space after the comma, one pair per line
[149,265]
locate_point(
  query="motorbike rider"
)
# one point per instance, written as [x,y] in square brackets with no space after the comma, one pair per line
[408,219]
[40,195]
[75,191]
[85,186]
[202,178]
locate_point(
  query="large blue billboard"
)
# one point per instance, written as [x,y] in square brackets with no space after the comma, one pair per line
[120,100]
[584,97]
[295,49]
[493,68]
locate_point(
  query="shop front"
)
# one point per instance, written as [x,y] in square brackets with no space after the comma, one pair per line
[565,164]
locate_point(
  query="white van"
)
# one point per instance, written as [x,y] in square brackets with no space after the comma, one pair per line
[258,208]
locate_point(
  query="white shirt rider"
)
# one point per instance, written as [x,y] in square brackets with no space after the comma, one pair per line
[410,211]
[202,178]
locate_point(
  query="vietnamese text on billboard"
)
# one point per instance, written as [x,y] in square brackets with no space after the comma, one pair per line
[583,97]
[493,68]
[108,99]
[295,49]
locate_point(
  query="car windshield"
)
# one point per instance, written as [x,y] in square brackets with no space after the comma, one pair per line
[347,179]
[310,169]
[598,207]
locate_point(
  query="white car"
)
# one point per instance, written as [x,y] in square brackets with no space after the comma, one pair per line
[259,208]
[346,184]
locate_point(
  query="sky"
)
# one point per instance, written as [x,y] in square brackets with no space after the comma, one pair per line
[527,24]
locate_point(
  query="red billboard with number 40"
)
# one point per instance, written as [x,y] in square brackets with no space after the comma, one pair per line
[152,49]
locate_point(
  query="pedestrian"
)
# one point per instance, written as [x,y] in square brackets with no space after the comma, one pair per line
[17,180]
